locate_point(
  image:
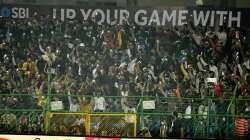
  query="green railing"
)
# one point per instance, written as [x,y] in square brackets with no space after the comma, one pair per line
[215,120]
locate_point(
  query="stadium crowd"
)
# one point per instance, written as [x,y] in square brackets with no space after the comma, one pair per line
[41,55]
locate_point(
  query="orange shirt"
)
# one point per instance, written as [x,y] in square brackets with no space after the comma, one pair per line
[178,91]
[120,39]
[241,127]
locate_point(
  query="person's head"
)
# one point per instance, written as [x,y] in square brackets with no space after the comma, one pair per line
[29,60]
[48,49]
[221,29]
[175,115]
[221,100]
[241,115]
[74,101]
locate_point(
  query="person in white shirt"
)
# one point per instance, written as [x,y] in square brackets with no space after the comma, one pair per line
[124,100]
[214,69]
[247,64]
[100,104]
[222,36]
[97,71]
[124,89]
[201,63]
[73,105]
[202,119]
[131,66]
[48,55]
[188,120]
[188,112]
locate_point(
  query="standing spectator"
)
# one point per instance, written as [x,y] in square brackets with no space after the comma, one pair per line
[29,68]
[73,105]
[164,129]
[100,103]
[176,128]
[241,127]
[188,120]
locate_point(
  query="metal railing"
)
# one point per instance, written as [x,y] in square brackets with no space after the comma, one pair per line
[210,117]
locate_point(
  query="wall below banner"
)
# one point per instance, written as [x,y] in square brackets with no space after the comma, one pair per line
[37,137]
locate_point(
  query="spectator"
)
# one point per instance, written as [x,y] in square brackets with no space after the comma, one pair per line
[188,120]
[29,68]
[176,127]
[74,106]
[164,129]
[100,103]
[121,60]
[241,127]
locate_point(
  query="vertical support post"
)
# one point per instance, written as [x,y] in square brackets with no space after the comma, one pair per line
[235,104]
[49,89]
[87,127]
[208,117]
[48,96]
[227,124]
[46,122]
[48,99]
[141,114]
[135,121]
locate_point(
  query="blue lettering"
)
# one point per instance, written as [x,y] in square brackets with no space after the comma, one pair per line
[5,12]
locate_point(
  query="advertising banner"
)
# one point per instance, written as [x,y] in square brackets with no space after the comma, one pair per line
[170,16]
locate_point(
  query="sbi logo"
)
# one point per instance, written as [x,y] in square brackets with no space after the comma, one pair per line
[14,12]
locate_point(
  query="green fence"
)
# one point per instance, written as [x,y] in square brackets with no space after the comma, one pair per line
[210,117]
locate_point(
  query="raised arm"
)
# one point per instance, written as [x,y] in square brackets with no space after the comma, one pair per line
[69,97]
[41,48]
[13,58]
[211,42]
[184,72]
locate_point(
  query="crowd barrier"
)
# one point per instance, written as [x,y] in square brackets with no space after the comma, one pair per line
[215,120]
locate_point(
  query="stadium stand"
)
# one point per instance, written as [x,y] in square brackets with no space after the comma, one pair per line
[80,78]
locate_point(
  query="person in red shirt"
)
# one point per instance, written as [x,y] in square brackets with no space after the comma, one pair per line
[217,89]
